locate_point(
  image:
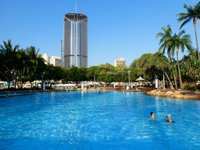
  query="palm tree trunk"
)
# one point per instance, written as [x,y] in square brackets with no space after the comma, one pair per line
[196,37]
[174,70]
[163,80]
[179,72]
[170,82]
[173,73]
[175,80]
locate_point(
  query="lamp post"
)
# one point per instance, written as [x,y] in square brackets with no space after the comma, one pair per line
[94,77]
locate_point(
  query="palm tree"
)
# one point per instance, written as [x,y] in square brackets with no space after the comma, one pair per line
[178,42]
[8,63]
[173,43]
[32,63]
[164,37]
[192,13]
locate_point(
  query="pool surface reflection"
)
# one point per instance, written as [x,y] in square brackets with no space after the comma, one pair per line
[92,121]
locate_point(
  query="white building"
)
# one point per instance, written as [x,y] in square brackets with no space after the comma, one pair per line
[46,58]
[54,60]
[120,61]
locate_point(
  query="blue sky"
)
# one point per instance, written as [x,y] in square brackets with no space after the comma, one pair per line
[116,28]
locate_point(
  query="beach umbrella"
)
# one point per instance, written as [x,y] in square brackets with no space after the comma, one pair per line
[140,79]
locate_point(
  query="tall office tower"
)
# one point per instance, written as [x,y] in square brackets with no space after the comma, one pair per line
[62,53]
[75,40]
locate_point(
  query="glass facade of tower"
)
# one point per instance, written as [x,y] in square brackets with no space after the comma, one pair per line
[75,40]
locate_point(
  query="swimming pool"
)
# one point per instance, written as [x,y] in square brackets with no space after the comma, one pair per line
[88,120]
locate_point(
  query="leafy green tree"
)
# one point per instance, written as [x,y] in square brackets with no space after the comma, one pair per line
[151,66]
[76,74]
[106,73]
[8,61]
[82,74]
[92,73]
[41,69]
[140,66]
[121,70]
[163,67]
[21,75]
[192,13]
[55,73]
[191,67]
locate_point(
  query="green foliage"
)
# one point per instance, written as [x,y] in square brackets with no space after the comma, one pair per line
[106,73]
[92,73]
[173,44]
[190,66]
[139,66]
[75,74]
[149,66]
[192,13]
[21,65]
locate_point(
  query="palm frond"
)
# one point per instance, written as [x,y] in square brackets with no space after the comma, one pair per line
[182,16]
[192,12]
[185,22]
[181,33]
[160,34]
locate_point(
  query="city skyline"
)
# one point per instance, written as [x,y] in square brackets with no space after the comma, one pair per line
[116,29]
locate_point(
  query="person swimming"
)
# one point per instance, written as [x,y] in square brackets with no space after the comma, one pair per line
[169,119]
[153,116]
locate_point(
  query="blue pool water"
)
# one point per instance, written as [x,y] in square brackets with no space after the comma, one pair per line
[92,121]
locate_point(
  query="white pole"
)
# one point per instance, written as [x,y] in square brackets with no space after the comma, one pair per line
[129,78]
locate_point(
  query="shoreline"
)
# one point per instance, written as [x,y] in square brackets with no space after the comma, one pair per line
[177,94]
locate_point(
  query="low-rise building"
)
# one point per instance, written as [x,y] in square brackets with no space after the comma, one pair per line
[54,60]
[120,62]
[46,58]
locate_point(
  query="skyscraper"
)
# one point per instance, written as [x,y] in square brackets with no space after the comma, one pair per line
[75,40]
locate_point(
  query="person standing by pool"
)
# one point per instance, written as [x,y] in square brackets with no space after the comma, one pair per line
[153,116]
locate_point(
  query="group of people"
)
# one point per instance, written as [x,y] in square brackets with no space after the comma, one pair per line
[167,119]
